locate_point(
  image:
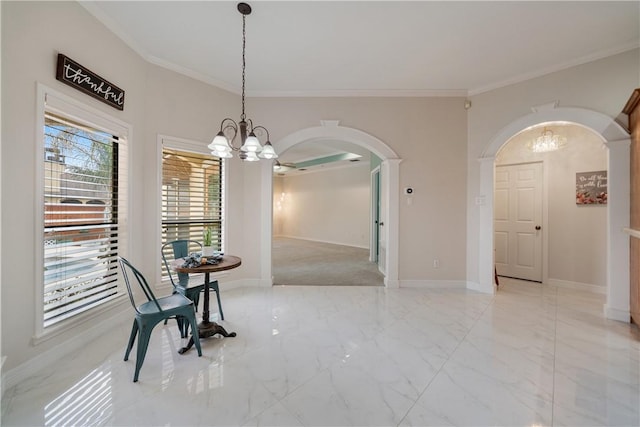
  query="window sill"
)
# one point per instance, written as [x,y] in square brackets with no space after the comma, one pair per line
[76,321]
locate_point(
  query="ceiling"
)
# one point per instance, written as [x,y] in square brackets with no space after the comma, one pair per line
[371,48]
[302,48]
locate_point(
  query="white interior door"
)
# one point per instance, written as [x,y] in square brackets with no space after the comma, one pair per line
[517,217]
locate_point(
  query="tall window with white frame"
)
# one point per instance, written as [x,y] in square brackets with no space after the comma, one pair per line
[80,229]
[192,197]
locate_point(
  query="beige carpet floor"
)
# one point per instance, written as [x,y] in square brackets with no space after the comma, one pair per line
[303,262]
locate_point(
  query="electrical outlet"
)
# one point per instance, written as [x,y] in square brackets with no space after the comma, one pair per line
[436,263]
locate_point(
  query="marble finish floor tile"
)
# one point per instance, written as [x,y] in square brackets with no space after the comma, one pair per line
[359,356]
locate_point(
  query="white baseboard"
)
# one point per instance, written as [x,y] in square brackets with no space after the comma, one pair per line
[325,241]
[586,287]
[391,284]
[617,314]
[253,283]
[433,284]
[485,289]
[228,285]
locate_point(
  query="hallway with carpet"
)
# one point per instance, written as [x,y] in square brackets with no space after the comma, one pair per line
[307,263]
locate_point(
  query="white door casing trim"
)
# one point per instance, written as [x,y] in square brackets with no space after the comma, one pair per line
[330,129]
[617,141]
[374,238]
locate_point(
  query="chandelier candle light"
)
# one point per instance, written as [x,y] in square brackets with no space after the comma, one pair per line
[250,150]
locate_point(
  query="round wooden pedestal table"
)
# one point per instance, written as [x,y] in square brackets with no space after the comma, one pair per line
[207,328]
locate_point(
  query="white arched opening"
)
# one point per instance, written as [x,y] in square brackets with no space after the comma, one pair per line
[618,142]
[390,167]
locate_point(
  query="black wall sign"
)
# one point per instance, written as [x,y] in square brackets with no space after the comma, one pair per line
[81,78]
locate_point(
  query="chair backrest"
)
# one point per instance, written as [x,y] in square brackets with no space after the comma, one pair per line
[128,269]
[179,249]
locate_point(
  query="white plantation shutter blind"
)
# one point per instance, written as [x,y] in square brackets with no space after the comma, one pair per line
[192,188]
[81,216]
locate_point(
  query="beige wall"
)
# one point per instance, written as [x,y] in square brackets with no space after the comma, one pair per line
[327,206]
[279,212]
[577,245]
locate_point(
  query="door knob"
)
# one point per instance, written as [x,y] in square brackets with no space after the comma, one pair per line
[538,227]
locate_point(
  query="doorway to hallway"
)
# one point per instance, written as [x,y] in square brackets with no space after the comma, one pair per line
[330,130]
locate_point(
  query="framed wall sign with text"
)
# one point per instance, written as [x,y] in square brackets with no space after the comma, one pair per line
[591,188]
[75,75]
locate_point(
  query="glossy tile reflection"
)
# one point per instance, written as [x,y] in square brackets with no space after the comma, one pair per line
[339,356]
[88,402]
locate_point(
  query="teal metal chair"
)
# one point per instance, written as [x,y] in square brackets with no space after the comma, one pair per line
[181,249]
[154,311]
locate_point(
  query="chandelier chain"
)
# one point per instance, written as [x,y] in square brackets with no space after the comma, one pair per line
[244,42]
[250,149]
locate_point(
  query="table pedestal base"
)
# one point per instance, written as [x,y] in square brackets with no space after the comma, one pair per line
[206,330]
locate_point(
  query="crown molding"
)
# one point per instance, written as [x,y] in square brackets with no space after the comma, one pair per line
[355,93]
[193,74]
[559,67]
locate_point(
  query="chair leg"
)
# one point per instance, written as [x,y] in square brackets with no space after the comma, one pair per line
[195,297]
[196,301]
[132,338]
[184,332]
[143,343]
[196,336]
[214,287]
[183,326]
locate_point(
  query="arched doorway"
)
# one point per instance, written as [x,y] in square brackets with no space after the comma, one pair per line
[330,129]
[542,234]
[617,141]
